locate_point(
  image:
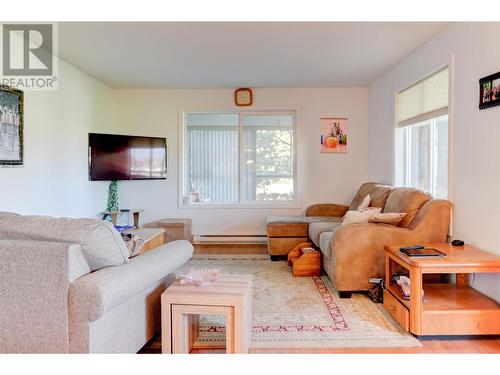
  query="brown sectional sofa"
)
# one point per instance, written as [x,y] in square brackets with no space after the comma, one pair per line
[355,252]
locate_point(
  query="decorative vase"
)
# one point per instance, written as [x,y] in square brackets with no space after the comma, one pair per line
[112,196]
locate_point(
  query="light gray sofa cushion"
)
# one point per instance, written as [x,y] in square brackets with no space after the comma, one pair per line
[315,230]
[325,243]
[102,245]
[95,294]
[300,219]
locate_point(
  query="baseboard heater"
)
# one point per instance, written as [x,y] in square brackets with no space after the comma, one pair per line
[215,239]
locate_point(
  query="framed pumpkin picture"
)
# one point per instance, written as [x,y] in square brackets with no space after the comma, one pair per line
[333,137]
[11,126]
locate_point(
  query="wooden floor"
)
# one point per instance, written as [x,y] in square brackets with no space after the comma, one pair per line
[448,345]
[432,345]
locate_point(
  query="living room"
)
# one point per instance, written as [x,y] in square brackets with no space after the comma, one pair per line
[285,181]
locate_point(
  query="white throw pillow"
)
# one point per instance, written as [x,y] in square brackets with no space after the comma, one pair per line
[365,204]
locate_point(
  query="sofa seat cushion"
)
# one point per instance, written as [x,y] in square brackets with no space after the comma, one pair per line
[378,195]
[317,228]
[300,219]
[325,243]
[97,293]
[406,200]
[101,244]
[294,226]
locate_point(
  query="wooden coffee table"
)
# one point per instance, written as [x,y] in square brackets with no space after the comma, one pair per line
[181,306]
[442,308]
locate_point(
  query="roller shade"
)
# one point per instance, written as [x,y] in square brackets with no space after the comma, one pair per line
[424,100]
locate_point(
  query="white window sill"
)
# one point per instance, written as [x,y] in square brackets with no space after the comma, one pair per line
[259,205]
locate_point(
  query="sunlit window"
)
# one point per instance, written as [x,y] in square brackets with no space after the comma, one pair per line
[239,157]
[422,135]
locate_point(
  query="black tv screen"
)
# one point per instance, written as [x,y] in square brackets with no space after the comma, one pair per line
[123,157]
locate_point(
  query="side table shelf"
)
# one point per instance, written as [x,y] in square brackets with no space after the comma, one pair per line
[443,308]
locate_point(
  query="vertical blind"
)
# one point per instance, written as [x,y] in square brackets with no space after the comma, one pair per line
[222,171]
[213,163]
[424,100]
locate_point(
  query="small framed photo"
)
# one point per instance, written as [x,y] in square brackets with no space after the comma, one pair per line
[11,126]
[489,91]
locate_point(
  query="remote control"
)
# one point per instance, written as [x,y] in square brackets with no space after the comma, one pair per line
[414,247]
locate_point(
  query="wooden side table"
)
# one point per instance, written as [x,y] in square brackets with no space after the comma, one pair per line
[443,308]
[181,305]
[175,228]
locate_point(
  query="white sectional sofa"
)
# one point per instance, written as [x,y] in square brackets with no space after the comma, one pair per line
[68,286]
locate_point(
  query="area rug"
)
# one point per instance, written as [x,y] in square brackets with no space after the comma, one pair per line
[300,312]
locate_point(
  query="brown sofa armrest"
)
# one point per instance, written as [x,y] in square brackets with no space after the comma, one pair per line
[327,209]
[358,252]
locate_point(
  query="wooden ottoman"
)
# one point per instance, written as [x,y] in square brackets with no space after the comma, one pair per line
[284,236]
[286,232]
[181,306]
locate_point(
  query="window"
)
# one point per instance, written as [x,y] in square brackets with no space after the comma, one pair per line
[244,157]
[422,135]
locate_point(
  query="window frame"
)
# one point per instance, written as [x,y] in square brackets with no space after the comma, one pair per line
[405,151]
[450,64]
[263,111]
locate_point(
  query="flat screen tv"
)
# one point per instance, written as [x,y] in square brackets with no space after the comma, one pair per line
[124,157]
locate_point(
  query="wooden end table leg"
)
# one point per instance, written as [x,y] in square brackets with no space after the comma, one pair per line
[462,279]
[388,270]
[166,327]
[181,331]
[416,305]
[230,331]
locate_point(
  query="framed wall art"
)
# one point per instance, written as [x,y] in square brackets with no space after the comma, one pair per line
[489,91]
[11,126]
[333,135]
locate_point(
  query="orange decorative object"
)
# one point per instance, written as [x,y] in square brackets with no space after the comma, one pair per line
[332,142]
[304,264]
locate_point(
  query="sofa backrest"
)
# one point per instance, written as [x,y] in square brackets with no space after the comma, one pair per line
[433,220]
[101,244]
[378,194]
[408,200]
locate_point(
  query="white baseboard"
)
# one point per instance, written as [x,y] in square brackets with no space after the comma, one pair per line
[229,239]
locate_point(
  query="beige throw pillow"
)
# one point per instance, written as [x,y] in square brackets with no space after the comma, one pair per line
[371,215]
[373,211]
[355,217]
[388,218]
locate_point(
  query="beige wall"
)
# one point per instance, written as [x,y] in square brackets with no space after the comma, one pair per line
[322,177]
[475,143]
[53,180]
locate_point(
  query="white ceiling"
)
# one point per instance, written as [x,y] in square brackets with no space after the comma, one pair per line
[216,55]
